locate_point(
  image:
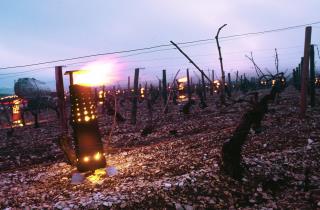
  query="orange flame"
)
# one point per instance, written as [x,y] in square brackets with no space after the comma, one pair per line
[95,74]
[183,79]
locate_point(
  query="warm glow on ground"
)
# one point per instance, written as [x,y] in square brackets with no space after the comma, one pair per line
[97,176]
[96,73]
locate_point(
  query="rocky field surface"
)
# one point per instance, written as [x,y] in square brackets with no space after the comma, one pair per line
[175,167]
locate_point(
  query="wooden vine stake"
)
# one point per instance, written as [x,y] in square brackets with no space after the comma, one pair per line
[229,82]
[222,94]
[188,86]
[135,97]
[305,72]
[203,86]
[64,141]
[312,77]
[61,101]
[164,87]
[129,89]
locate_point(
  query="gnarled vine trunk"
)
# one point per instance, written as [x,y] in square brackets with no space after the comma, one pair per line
[231,150]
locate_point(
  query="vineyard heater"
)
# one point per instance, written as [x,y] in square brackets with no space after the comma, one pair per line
[87,138]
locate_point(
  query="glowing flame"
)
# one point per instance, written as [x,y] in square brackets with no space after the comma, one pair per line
[95,74]
[86,159]
[142,92]
[97,156]
[101,93]
[183,79]
[181,86]
[16,117]
[216,82]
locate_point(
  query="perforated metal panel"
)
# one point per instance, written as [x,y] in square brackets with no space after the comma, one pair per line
[86,133]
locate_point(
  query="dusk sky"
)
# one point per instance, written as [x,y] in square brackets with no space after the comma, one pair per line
[35,31]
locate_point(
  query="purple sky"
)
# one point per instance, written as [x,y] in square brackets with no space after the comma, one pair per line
[34,31]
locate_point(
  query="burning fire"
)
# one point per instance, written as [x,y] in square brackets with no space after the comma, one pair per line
[101,95]
[216,82]
[181,86]
[263,82]
[95,74]
[142,92]
[183,79]
[16,116]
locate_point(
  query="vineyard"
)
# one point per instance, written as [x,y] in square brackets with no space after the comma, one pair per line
[177,166]
[186,139]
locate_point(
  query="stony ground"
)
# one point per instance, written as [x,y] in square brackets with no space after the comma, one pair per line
[172,170]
